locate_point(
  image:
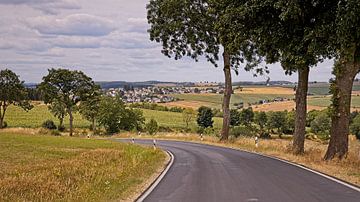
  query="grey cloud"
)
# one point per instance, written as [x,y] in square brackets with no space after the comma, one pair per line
[47,6]
[139,25]
[75,24]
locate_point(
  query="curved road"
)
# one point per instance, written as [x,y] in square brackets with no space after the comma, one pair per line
[209,173]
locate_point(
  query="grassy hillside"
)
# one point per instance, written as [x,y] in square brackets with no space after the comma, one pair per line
[46,168]
[16,117]
[325,101]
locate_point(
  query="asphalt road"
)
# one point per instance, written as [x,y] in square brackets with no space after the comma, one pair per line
[209,173]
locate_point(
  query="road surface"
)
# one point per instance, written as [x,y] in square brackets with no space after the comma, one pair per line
[209,173]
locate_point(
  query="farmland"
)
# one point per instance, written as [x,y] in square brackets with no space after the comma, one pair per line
[16,117]
[48,168]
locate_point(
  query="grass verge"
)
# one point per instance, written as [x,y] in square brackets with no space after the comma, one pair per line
[347,169]
[46,168]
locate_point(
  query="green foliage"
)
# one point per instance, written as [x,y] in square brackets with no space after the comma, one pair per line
[290,123]
[242,131]
[261,119]
[188,115]
[132,119]
[89,108]
[68,88]
[311,115]
[355,127]
[153,106]
[152,127]
[321,123]
[204,118]
[246,116]
[111,111]
[277,120]
[49,124]
[58,109]
[234,117]
[12,92]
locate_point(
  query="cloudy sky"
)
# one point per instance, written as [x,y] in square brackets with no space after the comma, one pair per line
[107,39]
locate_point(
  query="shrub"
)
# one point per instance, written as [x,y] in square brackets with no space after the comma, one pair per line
[355,127]
[49,124]
[243,131]
[5,125]
[321,124]
[61,128]
[234,117]
[205,116]
[152,127]
[55,133]
[246,116]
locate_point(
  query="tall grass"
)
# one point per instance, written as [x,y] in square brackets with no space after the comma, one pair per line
[45,168]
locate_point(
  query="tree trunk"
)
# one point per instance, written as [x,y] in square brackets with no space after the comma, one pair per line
[2,115]
[71,118]
[227,96]
[341,102]
[61,121]
[94,125]
[300,118]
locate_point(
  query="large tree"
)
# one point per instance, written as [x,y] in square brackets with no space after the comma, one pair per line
[188,28]
[345,41]
[289,32]
[12,91]
[90,107]
[68,88]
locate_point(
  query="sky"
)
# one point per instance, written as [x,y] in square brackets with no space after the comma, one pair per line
[106,39]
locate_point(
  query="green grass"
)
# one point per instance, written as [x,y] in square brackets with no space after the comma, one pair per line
[16,117]
[325,101]
[47,168]
[215,100]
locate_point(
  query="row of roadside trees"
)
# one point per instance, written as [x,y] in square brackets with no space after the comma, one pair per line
[297,34]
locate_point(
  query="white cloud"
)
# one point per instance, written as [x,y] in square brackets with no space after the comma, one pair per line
[73,25]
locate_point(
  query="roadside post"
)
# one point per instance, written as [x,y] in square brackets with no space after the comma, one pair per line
[154,144]
[201,137]
[256,141]
[133,140]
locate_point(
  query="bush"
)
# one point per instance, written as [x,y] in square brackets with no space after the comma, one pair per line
[61,128]
[321,124]
[205,116]
[246,116]
[55,133]
[49,124]
[243,131]
[234,117]
[152,127]
[5,125]
[355,127]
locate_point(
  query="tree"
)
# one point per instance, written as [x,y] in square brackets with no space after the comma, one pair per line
[68,88]
[261,119]
[90,107]
[188,115]
[277,120]
[58,109]
[247,116]
[204,118]
[234,117]
[12,92]
[344,41]
[289,32]
[111,111]
[152,127]
[132,119]
[321,123]
[188,28]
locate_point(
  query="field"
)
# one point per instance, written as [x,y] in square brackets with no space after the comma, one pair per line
[247,95]
[48,168]
[16,117]
[325,102]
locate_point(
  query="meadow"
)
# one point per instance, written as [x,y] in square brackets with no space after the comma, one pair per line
[326,101]
[49,168]
[16,117]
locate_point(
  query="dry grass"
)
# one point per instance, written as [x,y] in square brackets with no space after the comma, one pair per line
[281,106]
[46,168]
[185,104]
[266,90]
[347,169]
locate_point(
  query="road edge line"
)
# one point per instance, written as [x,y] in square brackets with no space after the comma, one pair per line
[153,185]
